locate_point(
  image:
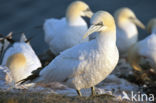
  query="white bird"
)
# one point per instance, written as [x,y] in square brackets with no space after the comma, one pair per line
[127,33]
[61,34]
[21,60]
[145,48]
[86,64]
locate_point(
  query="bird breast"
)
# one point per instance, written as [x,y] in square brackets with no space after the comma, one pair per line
[96,68]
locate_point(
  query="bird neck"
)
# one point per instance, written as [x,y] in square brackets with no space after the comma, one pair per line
[122,24]
[106,38]
[75,21]
[128,28]
[72,17]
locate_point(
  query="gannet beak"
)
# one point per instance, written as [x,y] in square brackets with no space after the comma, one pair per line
[138,23]
[92,29]
[88,13]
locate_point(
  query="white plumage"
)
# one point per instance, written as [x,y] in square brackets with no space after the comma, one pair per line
[145,48]
[61,34]
[28,60]
[86,64]
[127,33]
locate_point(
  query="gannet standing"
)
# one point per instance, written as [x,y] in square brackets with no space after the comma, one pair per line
[21,60]
[61,34]
[145,48]
[127,33]
[86,64]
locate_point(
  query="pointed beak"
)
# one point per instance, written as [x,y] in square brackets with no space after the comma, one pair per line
[138,23]
[88,13]
[92,29]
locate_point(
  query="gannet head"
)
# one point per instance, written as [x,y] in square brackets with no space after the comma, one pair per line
[16,62]
[101,21]
[77,9]
[151,26]
[127,15]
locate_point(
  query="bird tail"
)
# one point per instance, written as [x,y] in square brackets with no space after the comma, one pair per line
[134,58]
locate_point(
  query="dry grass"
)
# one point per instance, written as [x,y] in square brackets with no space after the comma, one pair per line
[27,97]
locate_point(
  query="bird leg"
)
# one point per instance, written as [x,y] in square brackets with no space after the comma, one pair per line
[79,92]
[93,91]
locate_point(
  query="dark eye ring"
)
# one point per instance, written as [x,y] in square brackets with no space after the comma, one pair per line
[88,9]
[99,24]
[131,18]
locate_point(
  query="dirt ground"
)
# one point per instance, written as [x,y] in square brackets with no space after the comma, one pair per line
[26,97]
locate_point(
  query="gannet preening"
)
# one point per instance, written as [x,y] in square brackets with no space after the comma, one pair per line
[145,48]
[21,60]
[61,34]
[127,33]
[86,64]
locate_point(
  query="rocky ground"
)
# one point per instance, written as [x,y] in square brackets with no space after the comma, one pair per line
[112,90]
[26,97]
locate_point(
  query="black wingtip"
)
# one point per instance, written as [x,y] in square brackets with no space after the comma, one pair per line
[21,81]
[29,78]
[35,74]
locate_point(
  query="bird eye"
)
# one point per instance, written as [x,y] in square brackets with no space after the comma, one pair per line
[131,18]
[88,9]
[99,24]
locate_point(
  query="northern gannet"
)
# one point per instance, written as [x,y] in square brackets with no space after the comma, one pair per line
[21,60]
[145,48]
[61,34]
[86,64]
[127,33]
